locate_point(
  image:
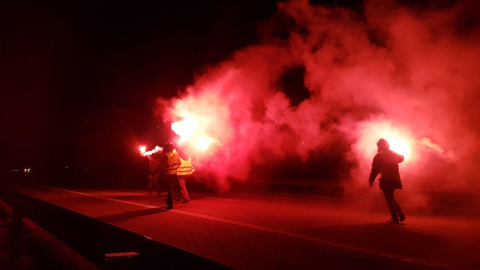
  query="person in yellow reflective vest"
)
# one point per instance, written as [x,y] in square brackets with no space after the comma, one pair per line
[169,162]
[183,172]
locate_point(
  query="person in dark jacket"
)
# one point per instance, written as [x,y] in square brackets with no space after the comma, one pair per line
[386,163]
[154,175]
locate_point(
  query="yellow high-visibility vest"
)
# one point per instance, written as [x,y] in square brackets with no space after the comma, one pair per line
[185,167]
[172,162]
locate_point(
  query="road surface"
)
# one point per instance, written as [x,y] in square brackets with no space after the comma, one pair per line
[268,231]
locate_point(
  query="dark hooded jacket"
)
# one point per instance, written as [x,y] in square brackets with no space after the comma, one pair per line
[385,163]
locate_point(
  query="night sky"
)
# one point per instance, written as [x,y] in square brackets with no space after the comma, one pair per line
[79,78]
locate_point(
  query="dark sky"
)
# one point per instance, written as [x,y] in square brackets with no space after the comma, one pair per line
[79,78]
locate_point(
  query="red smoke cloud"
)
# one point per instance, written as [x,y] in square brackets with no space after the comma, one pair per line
[390,70]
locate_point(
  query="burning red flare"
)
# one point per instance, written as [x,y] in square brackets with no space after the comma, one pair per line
[192,133]
[400,140]
[203,143]
[185,128]
[144,152]
[398,145]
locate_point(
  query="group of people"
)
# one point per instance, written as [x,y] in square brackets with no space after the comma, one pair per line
[164,167]
[163,172]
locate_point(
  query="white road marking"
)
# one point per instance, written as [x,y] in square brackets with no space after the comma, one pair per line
[319,240]
[285,233]
[105,198]
[221,199]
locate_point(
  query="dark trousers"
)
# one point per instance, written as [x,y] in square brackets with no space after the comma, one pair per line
[170,181]
[392,204]
[154,182]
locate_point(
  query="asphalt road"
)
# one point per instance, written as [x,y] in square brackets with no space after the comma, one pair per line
[267,231]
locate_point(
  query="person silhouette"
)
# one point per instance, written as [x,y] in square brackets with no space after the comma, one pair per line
[386,163]
[154,175]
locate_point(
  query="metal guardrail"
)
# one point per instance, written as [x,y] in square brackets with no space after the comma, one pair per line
[22,228]
[75,237]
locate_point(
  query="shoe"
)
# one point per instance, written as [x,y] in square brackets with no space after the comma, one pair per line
[393,221]
[401,217]
[169,206]
[185,201]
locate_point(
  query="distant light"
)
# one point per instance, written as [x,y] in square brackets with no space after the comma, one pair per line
[67,167]
[143,149]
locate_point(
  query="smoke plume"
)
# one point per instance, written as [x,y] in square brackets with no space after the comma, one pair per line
[389,69]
